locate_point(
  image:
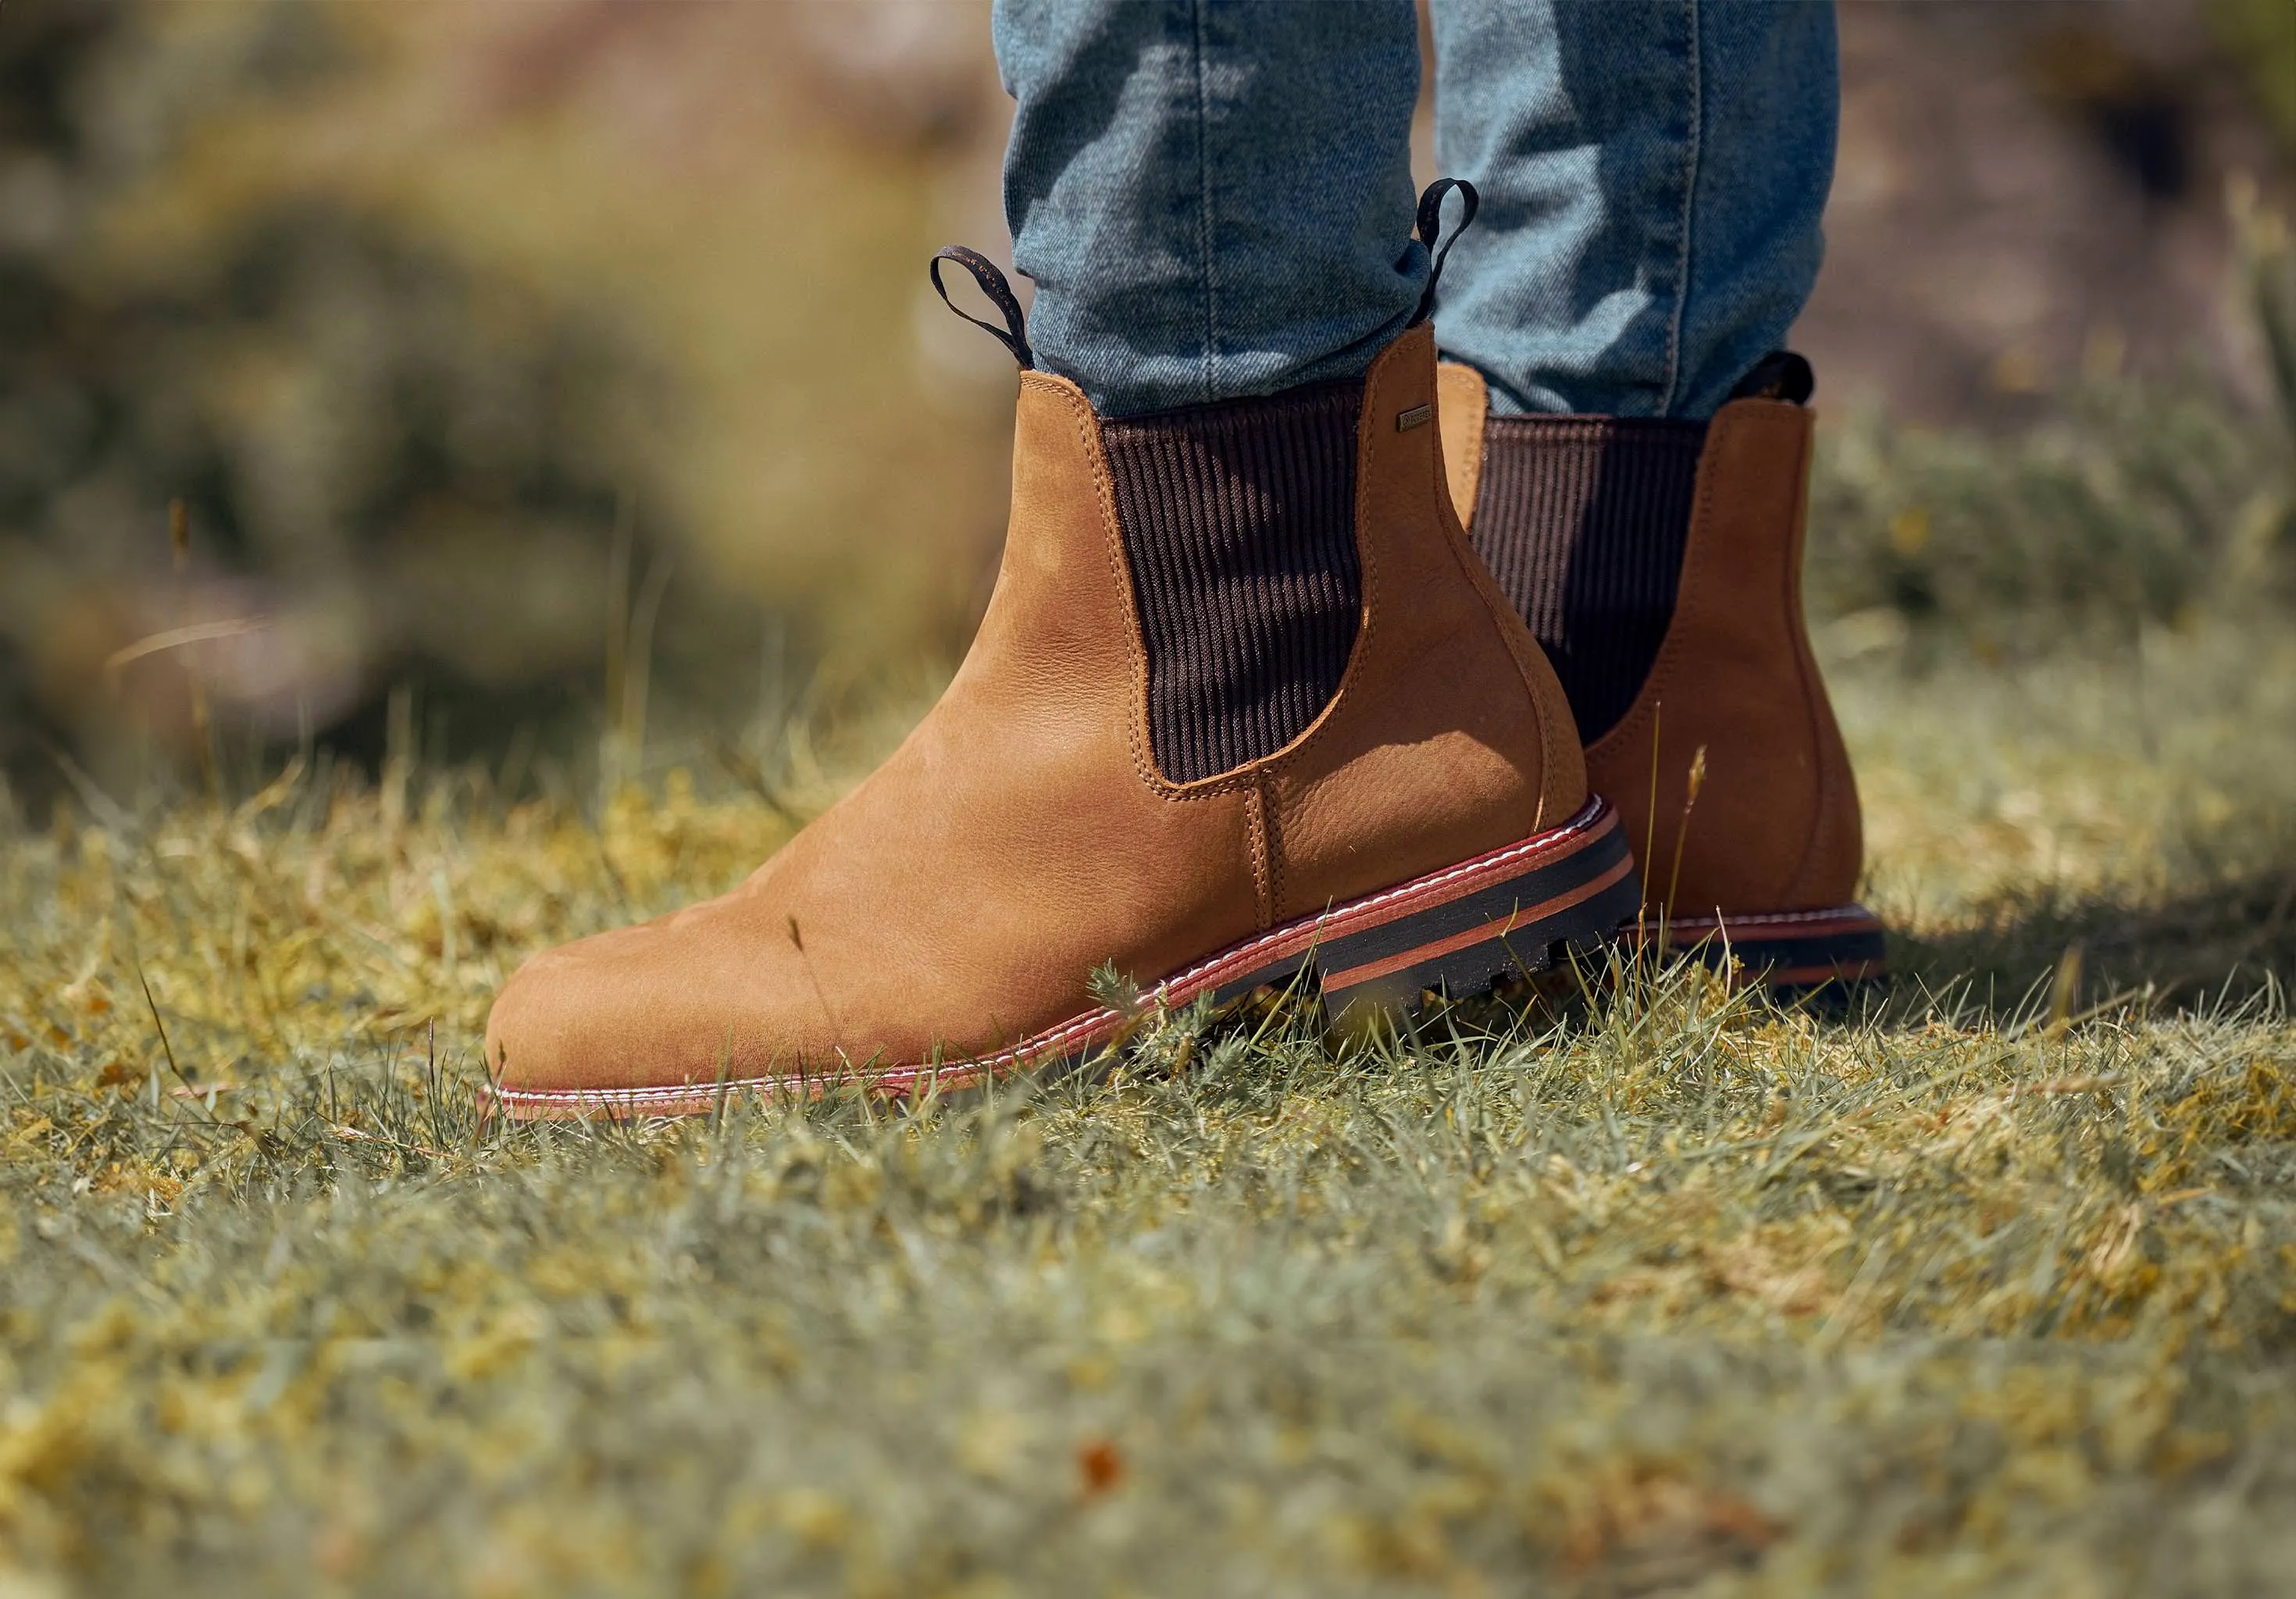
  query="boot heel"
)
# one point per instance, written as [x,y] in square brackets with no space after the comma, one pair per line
[1508,914]
[1829,957]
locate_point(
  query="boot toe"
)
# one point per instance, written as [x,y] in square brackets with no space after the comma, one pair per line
[642,1007]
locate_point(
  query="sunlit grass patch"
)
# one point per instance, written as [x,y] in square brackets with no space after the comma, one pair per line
[1658,1288]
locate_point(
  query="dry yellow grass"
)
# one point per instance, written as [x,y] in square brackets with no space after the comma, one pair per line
[1986,1293]
[1672,1294]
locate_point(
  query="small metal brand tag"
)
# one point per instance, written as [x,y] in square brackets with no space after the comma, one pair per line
[1418,416]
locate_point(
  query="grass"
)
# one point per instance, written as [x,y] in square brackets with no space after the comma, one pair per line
[1984,1290]
[1669,1293]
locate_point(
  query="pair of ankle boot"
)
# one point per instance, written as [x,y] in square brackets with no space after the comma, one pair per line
[1249,707]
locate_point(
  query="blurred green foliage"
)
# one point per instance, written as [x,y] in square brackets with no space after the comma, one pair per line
[369,433]
[2259,36]
[2145,501]
[462,390]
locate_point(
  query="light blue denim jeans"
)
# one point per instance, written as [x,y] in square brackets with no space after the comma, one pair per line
[1214,197]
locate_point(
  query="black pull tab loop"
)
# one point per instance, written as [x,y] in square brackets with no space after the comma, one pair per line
[1780,375]
[1014,334]
[1431,228]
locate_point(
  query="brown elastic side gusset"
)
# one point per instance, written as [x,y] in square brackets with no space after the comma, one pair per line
[1238,521]
[1583,521]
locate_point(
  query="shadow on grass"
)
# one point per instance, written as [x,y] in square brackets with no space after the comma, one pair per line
[2197,951]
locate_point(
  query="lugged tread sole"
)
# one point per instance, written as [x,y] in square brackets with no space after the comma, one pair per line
[1456,931]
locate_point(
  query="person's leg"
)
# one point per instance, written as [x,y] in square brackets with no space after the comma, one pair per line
[1653,177]
[1244,707]
[1626,448]
[1213,198]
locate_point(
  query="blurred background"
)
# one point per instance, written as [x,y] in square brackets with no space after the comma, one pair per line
[556,384]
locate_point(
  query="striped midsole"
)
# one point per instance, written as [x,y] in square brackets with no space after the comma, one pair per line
[1783,949]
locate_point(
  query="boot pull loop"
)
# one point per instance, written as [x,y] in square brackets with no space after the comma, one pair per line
[1014,334]
[1430,229]
[1780,375]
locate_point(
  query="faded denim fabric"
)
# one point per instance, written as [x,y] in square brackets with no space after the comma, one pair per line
[1652,177]
[1214,197]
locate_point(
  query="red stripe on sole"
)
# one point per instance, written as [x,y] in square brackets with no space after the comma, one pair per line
[1496,928]
[1782,949]
[1681,931]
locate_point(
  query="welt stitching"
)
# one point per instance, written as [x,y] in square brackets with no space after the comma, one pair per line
[1470,566]
[1471,449]
[1257,813]
[1761,919]
[1272,834]
[1079,416]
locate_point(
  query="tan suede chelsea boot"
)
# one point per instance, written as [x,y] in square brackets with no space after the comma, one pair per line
[1244,707]
[1660,563]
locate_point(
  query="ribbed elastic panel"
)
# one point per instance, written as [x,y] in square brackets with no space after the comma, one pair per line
[1239,523]
[1583,519]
